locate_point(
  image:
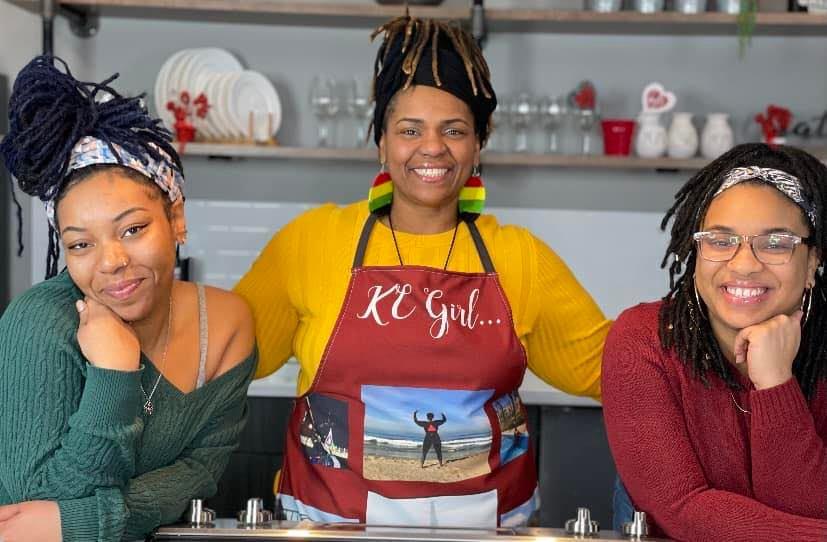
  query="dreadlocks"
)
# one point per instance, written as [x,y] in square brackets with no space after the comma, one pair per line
[434,53]
[683,323]
[49,112]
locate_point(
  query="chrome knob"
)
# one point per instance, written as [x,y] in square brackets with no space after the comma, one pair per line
[583,525]
[199,515]
[637,528]
[255,513]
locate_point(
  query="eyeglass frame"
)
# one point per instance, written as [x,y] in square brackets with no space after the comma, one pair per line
[697,237]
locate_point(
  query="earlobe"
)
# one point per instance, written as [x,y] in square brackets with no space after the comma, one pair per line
[179,221]
[383,159]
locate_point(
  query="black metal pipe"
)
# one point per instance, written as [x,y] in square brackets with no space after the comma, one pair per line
[478,30]
[47,13]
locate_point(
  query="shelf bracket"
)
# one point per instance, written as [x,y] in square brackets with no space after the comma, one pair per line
[83,21]
[479,29]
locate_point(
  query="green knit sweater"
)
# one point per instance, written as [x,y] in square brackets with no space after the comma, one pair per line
[75,434]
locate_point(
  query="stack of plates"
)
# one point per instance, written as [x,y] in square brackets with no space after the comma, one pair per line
[244,104]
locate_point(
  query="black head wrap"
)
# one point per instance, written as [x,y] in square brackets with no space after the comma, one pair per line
[409,47]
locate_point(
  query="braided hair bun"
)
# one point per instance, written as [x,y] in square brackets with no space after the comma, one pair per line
[50,111]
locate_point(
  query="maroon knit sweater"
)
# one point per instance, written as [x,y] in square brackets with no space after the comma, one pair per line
[699,467]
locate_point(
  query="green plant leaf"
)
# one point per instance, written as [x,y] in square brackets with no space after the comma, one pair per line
[746,25]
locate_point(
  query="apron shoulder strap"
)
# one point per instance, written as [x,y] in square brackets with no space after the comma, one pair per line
[362,247]
[482,250]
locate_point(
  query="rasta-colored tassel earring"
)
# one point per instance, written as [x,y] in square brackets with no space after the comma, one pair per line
[472,195]
[380,195]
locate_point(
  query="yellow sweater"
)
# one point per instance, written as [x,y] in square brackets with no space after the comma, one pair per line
[297,286]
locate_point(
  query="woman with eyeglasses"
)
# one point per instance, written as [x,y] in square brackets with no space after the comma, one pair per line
[715,398]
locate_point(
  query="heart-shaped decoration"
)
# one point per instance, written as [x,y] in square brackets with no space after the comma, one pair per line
[584,97]
[657,99]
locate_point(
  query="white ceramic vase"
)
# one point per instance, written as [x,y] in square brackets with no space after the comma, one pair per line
[651,140]
[717,137]
[682,137]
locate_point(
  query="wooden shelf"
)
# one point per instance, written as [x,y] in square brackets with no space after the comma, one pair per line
[363,14]
[489,158]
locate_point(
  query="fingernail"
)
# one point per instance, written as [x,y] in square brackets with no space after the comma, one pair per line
[80,305]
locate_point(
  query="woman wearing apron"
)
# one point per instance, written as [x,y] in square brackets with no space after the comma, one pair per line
[414,317]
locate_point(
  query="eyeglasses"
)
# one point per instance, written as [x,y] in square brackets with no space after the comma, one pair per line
[768,248]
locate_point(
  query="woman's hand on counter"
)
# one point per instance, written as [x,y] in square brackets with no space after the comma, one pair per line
[33,520]
[105,340]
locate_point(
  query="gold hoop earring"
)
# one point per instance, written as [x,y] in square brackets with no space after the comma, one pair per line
[808,296]
[698,299]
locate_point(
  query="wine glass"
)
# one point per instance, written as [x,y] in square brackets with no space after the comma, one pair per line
[325,104]
[497,140]
[553,111]
[360,108]
[586,119]
[522,110]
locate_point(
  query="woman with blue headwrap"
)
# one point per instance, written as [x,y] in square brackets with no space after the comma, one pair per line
[122,392]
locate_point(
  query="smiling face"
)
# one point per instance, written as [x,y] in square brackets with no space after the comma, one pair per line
[429,147]
[119,241]
[744,291]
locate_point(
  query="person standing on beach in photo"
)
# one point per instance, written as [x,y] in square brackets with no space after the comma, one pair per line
[431,435]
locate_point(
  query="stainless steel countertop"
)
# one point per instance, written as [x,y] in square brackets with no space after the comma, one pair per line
[228,529]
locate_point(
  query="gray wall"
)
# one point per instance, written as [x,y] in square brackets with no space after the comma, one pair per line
[19,40]
[5,252]
[703,70]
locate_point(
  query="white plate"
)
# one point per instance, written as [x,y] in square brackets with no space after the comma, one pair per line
[252,92]
[226,126]
[194,70]
[161,89]
[172,86]
[207,63]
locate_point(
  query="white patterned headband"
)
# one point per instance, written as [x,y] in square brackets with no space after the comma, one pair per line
[787,184]
[89,151]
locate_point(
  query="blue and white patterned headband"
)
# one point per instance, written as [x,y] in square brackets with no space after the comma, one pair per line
[89,151]
[787,184]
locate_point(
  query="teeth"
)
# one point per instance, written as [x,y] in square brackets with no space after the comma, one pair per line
[431,172]
[745,293]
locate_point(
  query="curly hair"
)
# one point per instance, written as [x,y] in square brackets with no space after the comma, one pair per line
[682,323]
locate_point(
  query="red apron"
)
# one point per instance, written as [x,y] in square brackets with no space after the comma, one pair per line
[414,416]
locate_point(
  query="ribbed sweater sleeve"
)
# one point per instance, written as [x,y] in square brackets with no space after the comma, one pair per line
[565,344]
[266,288]
[650,443]
[66,428]
[160,496]
[789,458]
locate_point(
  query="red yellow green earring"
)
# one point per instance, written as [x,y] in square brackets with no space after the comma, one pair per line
[380,195]
[472,195]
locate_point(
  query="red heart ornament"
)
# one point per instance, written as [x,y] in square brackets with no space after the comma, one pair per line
[657,99]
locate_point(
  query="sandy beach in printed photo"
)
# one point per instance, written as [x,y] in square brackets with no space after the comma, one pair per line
[401,469]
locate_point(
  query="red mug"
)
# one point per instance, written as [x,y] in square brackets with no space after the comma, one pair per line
[617,136]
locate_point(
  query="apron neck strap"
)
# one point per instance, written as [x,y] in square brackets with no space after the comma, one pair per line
[362,247]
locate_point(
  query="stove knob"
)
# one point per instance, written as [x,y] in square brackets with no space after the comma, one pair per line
[583,525]
[637,528]
[255,514]
[199,515]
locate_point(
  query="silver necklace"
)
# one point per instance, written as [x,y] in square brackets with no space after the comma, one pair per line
[399,254]
[739,407]
[149,407]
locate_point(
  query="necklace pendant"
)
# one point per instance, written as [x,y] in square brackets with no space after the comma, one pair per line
[148,407]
